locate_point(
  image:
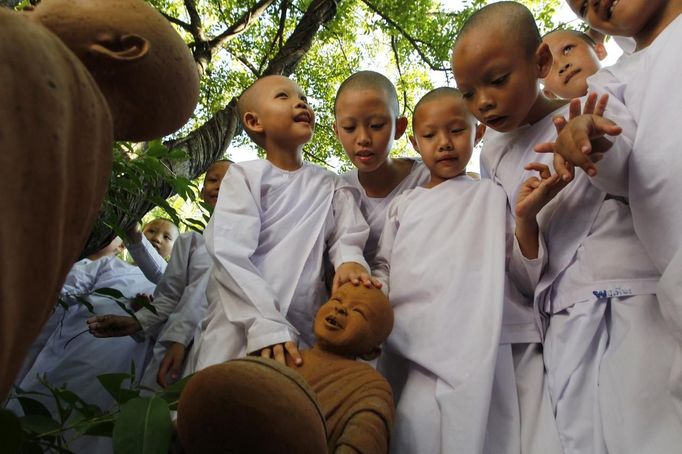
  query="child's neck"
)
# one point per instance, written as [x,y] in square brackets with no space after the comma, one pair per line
[382,181]
[658,23]
[285,158]
[542,107]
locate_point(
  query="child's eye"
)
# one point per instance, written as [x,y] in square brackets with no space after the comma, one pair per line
[377,126]
[281,95]
[348,128]
[500,80]
[567,49]
[467,95]
[167,237]
[457,130]
[304,99]
[428,135]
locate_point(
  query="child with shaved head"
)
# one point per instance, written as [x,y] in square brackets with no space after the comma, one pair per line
[367,122]
[446,287]
[597,289]
[274,221]
[575,57]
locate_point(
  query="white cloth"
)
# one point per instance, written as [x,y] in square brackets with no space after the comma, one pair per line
[268,236]
[448,312]
[180,301]
[374,208]
[74,357]
[646,82]
[148,259]
[49,326]
[593,254]
[178,275]
[568,220]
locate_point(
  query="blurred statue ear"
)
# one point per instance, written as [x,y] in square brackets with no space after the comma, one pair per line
[120,48]
[374,354]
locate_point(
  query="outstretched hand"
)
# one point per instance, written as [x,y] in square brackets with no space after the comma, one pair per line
[354,273]
[536,192]
[581,140]
[113,325]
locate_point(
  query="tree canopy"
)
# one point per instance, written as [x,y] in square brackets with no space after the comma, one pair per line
[318,43]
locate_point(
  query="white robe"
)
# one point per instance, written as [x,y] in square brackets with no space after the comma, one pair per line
[180,301]
[442,259]
[594,258]
[374,208]
[72,356]
[647,83]
[268,236]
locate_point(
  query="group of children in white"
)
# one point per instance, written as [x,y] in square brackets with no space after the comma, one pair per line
[537,309]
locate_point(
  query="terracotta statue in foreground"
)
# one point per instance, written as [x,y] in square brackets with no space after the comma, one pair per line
[76,75]
[261,406]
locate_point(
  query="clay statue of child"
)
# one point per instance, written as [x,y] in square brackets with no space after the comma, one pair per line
[77,75]
[264,405]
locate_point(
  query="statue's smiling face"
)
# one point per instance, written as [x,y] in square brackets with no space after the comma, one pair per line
[354,321]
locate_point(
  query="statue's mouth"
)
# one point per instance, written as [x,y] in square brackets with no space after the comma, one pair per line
[332,322]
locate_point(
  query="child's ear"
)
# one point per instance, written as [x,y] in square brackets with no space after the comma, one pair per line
[126,48]
[336,130]
[400,127]
[480,130]
[414,143]
[544,60]
[252,122]
[374,354]
[600,50]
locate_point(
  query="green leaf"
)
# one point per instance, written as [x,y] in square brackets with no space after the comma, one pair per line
[31,448]
[10,431]
[112,383]
[144,302]
[111,292]
[38,424]
[143,426]
[178,154]
[83,302]
[156,149]
[97,429]
[172,393]
[33,407]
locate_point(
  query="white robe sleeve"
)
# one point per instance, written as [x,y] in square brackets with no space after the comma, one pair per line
[81,281]
[348,238]
[148,260]
[232,237]
[169,289]
[525,273]
[191,310]
[381,268]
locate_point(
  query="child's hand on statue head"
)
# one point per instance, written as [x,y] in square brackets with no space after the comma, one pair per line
[354,273]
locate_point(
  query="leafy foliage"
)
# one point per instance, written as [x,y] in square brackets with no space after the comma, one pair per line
[136,423]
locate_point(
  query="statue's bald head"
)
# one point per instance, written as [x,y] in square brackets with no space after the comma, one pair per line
[143,67]
[513,19]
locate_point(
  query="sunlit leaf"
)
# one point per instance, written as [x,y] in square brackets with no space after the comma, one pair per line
[143,426]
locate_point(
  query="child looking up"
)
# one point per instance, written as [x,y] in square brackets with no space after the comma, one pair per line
[598,288]
[367,122]
[440,358]
[575,57]
[151,247]
[274,221]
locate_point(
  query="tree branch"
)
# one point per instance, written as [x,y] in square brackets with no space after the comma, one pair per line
[178,22]
[407,36]
[247,19]
[194,20]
